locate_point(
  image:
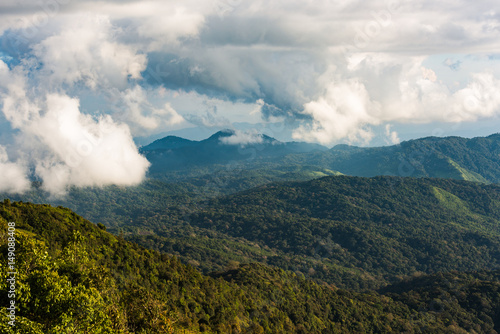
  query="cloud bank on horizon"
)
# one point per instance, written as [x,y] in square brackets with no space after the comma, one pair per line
[80,79]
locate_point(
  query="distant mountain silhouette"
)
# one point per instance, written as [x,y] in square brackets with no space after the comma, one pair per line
[476,159]
[175,153]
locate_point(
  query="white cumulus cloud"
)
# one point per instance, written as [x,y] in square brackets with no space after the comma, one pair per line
[12,175]
[342,112]
[85,50]
[243,138]
[65,146]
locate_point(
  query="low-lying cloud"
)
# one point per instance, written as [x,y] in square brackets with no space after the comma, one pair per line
[61,145]
[12,175]
[243,138]
[66,147]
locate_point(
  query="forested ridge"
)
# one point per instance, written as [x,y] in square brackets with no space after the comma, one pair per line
[354,232]
[476,159]
[77,278]
[359,233]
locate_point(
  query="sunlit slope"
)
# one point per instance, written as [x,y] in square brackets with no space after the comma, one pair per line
[383,226]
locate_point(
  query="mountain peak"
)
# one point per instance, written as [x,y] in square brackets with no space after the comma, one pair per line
[167,143]
[221,134]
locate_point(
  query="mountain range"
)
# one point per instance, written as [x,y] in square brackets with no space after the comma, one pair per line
[224,147]
[241,233]
[476,159]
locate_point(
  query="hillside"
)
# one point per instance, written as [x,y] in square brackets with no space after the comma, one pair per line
[75,277]
[353,232]
[455,295]
[375,229]
[476,159]
[206,176]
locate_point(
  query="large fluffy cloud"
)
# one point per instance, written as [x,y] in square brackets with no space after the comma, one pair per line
[409,93]
[60,144]
[82,151]
[84,50]
[66,147]
[342,112]
[296,56]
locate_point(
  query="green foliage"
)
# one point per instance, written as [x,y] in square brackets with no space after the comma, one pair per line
[352,232]
[76,278]
[382,228]
[466,300]
[46,298]
[340,248]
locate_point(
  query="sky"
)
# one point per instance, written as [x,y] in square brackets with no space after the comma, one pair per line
[80,80]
